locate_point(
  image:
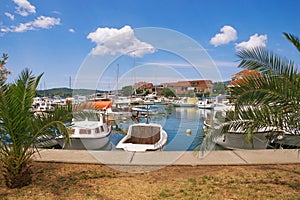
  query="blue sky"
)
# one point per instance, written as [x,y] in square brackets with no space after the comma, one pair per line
[59,37]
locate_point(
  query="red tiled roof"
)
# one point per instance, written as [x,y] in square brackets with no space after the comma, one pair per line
[238,77]
[197,83]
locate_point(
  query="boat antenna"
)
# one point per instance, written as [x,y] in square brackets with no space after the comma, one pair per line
[147,116]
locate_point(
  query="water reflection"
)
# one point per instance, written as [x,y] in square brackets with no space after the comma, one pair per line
[183,125]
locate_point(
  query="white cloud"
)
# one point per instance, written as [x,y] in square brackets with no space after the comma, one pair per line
[112,41]
[45,22]
[41,22]
[71,30]
[24,7]
[254,41]
[228,34]
[11,17]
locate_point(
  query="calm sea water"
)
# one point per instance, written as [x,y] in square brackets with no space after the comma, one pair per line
[175,121]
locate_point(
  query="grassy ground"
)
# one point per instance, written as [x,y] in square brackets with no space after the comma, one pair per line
[87,181]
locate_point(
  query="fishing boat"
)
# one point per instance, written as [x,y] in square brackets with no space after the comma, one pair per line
[143,137]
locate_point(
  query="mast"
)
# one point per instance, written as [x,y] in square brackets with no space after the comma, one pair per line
[134,78]
[70,86]
[117,93]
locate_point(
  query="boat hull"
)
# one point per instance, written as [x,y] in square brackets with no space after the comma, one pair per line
[187,105]
[239,141]
[144,142]
[85,143]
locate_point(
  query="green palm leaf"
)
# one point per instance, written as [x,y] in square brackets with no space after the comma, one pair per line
[23,127]
[271,99]
[293,39]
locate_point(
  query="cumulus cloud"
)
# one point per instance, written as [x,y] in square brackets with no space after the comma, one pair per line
[228,34]
[10,16]
[112,41]
[254,41]
[24,8]
[41,22]
[45,22]
[71,30]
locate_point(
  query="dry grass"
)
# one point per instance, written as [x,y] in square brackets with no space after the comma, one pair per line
[87,181]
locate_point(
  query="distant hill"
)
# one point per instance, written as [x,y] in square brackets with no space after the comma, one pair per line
[66,92]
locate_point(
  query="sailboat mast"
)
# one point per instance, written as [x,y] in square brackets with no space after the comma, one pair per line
[134,78]
[117,93]
[70,85]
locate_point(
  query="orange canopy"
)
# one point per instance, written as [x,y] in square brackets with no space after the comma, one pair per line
[94,105]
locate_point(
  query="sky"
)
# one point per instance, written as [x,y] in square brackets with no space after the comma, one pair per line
[100,44]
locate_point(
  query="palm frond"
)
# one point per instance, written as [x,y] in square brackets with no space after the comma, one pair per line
[293,39]
[266,63]
[22,127]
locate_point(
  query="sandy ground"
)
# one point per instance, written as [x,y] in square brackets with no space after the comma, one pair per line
[88,181]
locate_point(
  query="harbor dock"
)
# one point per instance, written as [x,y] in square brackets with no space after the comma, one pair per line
[159,158]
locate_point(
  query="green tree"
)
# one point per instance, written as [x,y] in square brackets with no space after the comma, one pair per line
[270,99]
[167,92]
[127,90]
[20,129]
[219,88]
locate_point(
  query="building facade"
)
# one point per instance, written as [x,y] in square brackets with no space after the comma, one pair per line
[191,87]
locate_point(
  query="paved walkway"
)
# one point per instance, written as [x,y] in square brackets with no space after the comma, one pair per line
[159,158]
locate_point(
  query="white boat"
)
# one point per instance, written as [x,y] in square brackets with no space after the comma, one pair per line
[88,134]
[287,139]
[238,138]
[45,142]
[145,110]
[184,102]
[239,141]
[144,137]
[205,104]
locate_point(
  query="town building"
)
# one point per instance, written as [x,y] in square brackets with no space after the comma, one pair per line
[191,87]
[237,78]
[143,87]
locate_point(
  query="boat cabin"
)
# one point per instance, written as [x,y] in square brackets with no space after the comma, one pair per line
[144,135]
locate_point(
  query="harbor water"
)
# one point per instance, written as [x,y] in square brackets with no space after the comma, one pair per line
[184,126]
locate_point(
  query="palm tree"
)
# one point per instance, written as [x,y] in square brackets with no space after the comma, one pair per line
[19,128]
[271,99]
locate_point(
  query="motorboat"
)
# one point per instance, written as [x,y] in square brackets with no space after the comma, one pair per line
[145,110]
[89,129]
[45,142]
[184,102]
[261,138]
[235,140]
[87,134]
[143,137]
[205,104]
[287,139]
